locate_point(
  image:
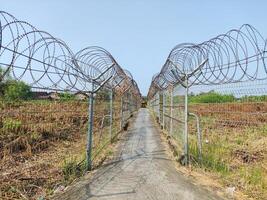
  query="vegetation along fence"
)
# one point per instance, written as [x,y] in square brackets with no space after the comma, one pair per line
[211,99]
[49,99]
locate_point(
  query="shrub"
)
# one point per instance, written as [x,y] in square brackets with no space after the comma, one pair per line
[253,98]
[211,97]
[3,72]
[3,80]
[16,90]
[66,96]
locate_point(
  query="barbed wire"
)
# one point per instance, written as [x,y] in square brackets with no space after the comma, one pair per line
[46,62]
[236,56]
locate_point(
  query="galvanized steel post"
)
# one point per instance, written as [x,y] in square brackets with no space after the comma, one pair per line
[159,107]
[171,121]
[199,139]
[163,110]
[121,125]
[186,148]
[199,136]
[90,131]
[111,114]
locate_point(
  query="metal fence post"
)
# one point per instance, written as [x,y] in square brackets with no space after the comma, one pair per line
[171,121]
[157,102]
[160,108]
[121,125]
[186,148]
[199,139]
[90,131]
[163,110]
[111,113]
[130,103]
[199,136]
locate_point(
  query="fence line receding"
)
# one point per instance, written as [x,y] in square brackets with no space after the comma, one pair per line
[218,86]
[71,93]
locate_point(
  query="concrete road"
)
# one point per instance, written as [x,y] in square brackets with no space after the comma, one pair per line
[142,170]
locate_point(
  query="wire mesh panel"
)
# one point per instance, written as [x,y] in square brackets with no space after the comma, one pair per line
[178,117]
[230,109]
[157,105]
[59,110]
[126,108]
[116,125]
[30,132]
[167,110]
[161,108]
[101,123]
[154,105]
[233,121]
[168,106]
[224,102]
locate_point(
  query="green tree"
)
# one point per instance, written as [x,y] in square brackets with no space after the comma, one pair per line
[3,72]
[16,90]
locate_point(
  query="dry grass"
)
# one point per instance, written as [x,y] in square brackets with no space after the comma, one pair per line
[37,140]
[234,145]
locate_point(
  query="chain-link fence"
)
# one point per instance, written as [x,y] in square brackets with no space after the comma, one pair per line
[234,109]
[39,138]
[214,106]
[168,106]
[60,112]
[221,81]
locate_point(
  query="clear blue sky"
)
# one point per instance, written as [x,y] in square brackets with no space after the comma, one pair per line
[138,33]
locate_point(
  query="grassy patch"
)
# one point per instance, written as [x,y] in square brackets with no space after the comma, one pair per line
[11,124]
[238,155]
[252,179]
[212,157]
[73,168]
[211,97]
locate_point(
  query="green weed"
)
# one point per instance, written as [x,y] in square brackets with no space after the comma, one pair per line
[11,124]
[211,158]
[73,168]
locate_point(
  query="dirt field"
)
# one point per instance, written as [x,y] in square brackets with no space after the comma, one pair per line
[39,139]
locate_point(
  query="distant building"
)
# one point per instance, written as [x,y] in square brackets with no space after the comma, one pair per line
[54,95]
[81,96]
[45,95]
[39,95]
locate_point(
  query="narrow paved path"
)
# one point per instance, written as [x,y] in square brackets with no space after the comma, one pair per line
[141,171]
